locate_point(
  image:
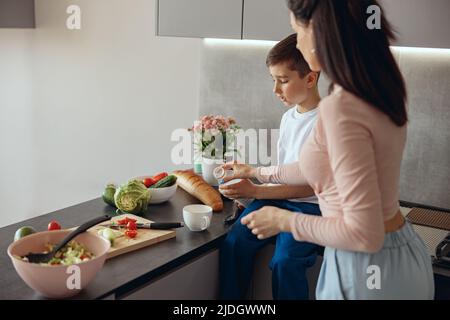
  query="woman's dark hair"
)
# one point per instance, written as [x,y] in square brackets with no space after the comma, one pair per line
[352,55]
[286,51]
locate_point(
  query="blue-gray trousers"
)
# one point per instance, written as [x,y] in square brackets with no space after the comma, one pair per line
[402,269]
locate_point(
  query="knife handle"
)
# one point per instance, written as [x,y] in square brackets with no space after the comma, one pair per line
[166,225]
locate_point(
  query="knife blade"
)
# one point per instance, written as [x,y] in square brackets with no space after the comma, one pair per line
[150,225]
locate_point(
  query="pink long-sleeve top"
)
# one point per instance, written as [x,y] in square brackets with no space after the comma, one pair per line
[352,161]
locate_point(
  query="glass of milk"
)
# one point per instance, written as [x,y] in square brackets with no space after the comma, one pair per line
[220,174]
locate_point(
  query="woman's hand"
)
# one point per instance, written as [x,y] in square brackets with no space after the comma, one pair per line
[268,221]
[240,171]
[242,189]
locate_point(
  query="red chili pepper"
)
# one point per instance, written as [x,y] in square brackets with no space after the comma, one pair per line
[159,176]
[131,233]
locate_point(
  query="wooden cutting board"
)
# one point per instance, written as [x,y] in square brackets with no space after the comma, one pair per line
[145,237]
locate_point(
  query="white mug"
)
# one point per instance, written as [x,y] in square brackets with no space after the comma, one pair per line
[197,217]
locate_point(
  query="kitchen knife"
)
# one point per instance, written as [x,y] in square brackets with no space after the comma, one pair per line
[150,225]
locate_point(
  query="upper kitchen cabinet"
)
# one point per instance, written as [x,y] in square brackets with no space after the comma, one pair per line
[266,20]
[419,23]
[200,18]
[17,14]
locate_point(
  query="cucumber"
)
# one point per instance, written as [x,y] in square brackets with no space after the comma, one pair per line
[165,182]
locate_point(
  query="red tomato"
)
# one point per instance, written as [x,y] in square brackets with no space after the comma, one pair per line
[124,221]
[131,225]
[53,225]
[131,233]
[159,176]
[148,182]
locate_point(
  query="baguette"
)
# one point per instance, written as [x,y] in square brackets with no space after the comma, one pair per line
[199,188]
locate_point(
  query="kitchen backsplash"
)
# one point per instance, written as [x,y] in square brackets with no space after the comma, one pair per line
[234,81]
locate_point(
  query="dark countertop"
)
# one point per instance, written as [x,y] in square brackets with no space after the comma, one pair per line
[128,271]
[124,273]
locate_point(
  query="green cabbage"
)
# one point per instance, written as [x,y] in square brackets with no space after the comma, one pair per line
[132,197]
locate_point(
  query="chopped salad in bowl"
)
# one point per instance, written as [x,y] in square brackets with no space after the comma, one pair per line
[80,259]
[71,253]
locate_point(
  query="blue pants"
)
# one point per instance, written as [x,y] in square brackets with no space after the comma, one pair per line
[289,262]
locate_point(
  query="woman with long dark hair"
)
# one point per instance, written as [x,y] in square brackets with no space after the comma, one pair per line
[352,161]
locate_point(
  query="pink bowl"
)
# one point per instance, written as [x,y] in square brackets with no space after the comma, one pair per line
[58,281]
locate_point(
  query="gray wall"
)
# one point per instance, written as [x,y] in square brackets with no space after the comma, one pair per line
[425,175]
[81,108]
[235,82]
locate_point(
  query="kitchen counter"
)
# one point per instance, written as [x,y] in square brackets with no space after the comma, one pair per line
[126,272]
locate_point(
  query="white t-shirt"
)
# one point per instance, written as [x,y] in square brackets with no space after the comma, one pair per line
[295,128]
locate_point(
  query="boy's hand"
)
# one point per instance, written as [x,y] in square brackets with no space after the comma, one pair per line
[240,171]
[242,189]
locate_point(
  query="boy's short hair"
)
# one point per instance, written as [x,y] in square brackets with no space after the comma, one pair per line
[286,51]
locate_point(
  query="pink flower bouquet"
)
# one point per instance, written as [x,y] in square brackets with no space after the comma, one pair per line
[214,136]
